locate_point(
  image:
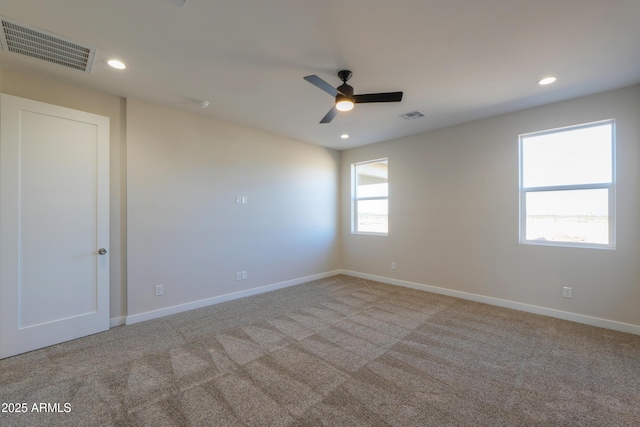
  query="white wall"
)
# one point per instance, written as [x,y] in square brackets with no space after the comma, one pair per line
[454,214]
[54,92]
[185,230]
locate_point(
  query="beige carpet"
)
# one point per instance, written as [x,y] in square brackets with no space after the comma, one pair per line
[336,352]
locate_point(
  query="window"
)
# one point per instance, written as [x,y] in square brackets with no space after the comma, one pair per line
[567,186]
[370,196]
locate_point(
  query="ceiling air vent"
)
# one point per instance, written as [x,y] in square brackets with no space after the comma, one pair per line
[39,44]
[412,115]
[179,3]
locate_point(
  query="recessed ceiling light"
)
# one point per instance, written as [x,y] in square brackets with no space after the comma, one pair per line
[116,64]
[547,81]
[344,136]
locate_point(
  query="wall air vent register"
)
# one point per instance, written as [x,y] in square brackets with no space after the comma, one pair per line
[36,43]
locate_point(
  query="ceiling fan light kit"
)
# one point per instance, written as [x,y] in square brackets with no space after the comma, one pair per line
[344,97]
[343,103]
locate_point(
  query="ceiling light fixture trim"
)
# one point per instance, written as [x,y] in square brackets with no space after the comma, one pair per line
[117,64]
[547,81]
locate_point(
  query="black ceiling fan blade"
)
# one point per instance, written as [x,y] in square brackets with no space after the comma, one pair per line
[378,97]
[318,82]
[330,115]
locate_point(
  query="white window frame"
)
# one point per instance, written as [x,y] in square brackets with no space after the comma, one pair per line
[610,186]
[355,199]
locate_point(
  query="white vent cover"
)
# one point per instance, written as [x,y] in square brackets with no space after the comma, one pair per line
[412,115]
[39,44]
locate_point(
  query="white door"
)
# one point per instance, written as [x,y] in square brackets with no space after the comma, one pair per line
[54,222]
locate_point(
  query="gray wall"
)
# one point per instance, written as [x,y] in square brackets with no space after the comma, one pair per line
[454,214]
[185,230]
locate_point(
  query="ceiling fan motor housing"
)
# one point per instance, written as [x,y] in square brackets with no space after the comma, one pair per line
[346,90]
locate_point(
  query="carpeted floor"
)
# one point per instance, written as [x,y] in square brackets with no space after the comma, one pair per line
[336,352]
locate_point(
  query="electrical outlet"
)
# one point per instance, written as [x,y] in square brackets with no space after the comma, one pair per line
[159,290]
[567,292]
[238,276]
[393,265]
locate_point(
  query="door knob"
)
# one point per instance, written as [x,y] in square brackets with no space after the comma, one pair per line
[102,251]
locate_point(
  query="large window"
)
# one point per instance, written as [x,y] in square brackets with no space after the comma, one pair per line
[567,186]
[370,196]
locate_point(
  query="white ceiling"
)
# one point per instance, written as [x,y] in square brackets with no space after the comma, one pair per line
[455,60]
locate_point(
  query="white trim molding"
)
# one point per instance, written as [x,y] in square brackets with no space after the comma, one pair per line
[155,314]
[117,321]
[559,314]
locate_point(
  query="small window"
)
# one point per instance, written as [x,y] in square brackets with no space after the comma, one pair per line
[370,196]
[567,186]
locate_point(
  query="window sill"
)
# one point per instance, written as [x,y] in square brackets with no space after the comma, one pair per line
[369,233]
[568,244]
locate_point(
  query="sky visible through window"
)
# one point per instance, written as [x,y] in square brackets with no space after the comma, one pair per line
[372,190]
[553,164]
[581,156]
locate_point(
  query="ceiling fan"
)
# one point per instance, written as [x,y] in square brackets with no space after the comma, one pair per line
[345,99]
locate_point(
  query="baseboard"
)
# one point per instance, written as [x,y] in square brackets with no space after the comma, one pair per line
[559,314]
[155,314]
[117,321]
